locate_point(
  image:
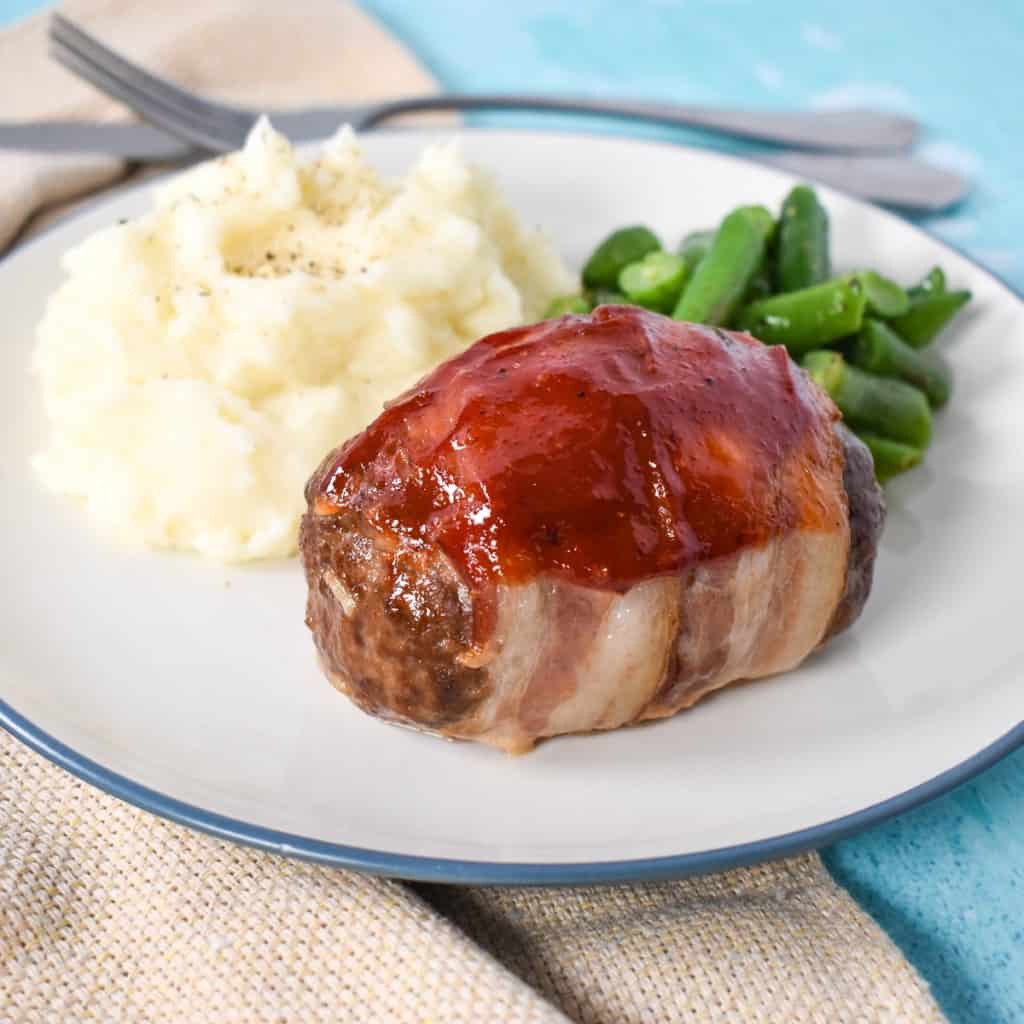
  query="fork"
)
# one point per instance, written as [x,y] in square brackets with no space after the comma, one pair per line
[208,126]
[218,127]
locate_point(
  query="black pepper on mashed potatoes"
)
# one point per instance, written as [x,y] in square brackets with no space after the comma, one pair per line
[198,361]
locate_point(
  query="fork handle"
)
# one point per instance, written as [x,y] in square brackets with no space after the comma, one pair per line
[840,130]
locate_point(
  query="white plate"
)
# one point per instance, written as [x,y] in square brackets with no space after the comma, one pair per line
[192,690]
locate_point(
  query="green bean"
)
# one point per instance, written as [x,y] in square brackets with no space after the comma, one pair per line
[566,304]
[933,281]
[884,297]
[763,283]
[694,247]
[655,281]
[721,279]
[891,457]
[879,405]
[879,349]
[627,245]
[606,297]
[803,241]
[761,286]
[809,318]
[927,315]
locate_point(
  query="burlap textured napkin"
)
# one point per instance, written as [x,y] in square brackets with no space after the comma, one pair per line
[247,51]
[110,915]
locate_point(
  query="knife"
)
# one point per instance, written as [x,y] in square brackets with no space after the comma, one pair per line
[139,143]
[142,143]
[900,181]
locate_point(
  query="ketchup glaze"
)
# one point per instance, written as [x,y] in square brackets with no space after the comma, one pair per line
[603,449]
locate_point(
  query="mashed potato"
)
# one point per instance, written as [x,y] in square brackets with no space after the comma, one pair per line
[199,361]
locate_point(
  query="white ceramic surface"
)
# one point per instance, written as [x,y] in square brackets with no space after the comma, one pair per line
[199,682]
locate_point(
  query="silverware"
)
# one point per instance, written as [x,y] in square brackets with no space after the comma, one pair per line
[205,126]
[895,181]
[137,143]
[898,181]
[218,127]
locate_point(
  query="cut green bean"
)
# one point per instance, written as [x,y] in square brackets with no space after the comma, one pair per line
[606,297]
[566,304]
[620,248]
[884,297]
[879,405]
[763,283]
[809,318]
[760,288]
[890,457]
[927,315]
[694,247]
[804,258]
[721,279]
[879,349]
[932,282]
[654,282]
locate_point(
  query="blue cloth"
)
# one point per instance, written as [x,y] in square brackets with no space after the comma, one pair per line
[946,881]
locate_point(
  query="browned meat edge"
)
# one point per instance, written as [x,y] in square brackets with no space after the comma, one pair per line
[867,518]
[398,656]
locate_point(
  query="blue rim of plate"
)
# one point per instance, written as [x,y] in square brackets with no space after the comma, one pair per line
[470,872]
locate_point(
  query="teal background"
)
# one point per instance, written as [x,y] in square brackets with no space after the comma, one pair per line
[945,881]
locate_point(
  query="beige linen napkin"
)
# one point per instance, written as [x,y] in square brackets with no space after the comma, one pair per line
[249,51]
[110,915]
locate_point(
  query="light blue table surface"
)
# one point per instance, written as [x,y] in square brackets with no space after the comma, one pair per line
[945,881]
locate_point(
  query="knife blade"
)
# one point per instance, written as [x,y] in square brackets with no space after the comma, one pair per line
[899,181]
[142,143]
[136,142]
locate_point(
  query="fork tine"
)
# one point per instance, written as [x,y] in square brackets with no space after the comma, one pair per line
[65,31]
[182,124]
